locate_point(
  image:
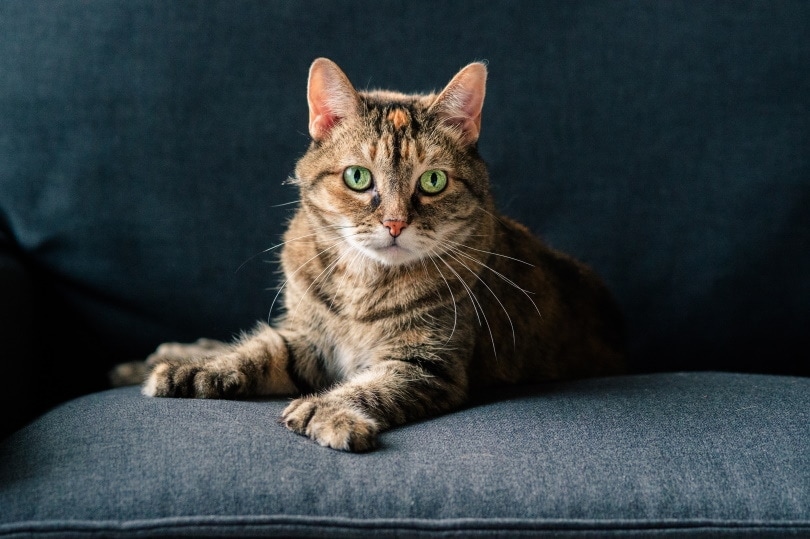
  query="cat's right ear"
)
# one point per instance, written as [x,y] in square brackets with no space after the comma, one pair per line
[331,97]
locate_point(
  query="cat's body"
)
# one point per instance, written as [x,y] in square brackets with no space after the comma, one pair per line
[405,290]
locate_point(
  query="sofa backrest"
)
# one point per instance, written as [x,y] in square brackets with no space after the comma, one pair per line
[144,144]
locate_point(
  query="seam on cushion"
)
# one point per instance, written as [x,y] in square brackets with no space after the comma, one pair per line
[254,526]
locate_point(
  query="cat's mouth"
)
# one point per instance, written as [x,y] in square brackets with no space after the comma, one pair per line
[394,253]
[394,249]
[391,253]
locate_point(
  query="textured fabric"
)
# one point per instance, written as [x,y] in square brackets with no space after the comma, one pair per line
[706,454]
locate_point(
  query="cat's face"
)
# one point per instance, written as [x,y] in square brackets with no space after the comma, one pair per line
[392,177]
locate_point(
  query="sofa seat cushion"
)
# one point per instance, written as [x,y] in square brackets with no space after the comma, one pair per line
[677,454]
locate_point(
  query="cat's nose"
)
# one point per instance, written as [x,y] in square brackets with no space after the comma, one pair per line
[394,226]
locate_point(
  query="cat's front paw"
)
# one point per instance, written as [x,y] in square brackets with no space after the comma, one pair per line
[202,378]
[175,351]
[332,423]
[128,374]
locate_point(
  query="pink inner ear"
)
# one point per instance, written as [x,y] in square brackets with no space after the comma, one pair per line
[330,95]
[321,124]
[321,117]
[461,101]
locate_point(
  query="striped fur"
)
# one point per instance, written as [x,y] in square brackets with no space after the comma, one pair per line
[385,325]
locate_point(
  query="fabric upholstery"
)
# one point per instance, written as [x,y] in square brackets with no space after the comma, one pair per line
[703,454]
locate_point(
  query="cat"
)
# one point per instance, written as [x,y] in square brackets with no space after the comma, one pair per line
[406,292]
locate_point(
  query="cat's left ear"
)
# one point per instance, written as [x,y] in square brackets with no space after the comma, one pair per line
[461,101]
[331,97]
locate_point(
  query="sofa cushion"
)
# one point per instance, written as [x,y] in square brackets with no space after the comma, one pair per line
[697,454]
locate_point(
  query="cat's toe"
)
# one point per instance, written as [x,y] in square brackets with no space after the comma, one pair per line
[159,382]
[296,416]
[331,424]
[219,384]
[193,380]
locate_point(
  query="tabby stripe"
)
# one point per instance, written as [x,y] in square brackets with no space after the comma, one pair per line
[171,386]
[326,300]
[435,368]
[252,371]
[396,148]
[320,177]
[480,196]
[422,303]
[187,388]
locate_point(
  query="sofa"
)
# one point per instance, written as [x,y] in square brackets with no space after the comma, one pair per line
[144,148]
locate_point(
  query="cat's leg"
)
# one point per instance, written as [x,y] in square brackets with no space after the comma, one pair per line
[253,366]
[174,351]
[390,393]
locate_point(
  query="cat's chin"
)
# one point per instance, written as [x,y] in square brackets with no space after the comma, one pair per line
[394,255]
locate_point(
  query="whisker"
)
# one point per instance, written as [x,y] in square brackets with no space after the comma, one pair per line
[490,253]
[502,277]
[494,216]
[357,254]
[466,288]
[330,268]
[296,201]
[476,305]
[452,296]
[494,295]
[293,274]
[283,243]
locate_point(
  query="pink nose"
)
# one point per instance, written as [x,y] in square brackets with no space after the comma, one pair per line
[394,227]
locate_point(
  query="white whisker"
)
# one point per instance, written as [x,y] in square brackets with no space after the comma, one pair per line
[490,253]
[494,295]
[494,216]
[328,270]
[476,305]
[283,243]
[357,254]
[502,277]
[452,296]
[286,203]
[287,280]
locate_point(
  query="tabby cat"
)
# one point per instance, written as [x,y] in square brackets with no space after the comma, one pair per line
[405,290]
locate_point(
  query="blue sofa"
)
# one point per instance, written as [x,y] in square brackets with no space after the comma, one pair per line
[143,151]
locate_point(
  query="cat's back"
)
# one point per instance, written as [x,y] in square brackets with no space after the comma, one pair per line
[551,316]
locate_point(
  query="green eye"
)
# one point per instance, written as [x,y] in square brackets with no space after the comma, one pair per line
[357,178]
[433,182]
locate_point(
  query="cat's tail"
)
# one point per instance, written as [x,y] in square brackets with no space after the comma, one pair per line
[129,374]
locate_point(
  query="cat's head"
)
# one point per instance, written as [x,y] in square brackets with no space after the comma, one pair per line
[396,177]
